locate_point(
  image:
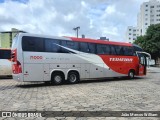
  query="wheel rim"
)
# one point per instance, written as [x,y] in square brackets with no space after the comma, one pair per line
[131,74]
[73,78]
[57,79]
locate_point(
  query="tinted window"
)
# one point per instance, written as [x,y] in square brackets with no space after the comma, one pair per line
[70,44]
[5,54]
[119,50]
[84,47]
[113,50]
[92,48]
[128,51]
[103,49]
[124,50]
[32,44]
[137,48]
[51,45]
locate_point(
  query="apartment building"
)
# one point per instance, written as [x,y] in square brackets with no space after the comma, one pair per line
[149,14]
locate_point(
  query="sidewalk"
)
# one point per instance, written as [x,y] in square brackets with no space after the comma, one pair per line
[153,69]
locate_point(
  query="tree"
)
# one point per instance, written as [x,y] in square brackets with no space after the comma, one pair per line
[151,41]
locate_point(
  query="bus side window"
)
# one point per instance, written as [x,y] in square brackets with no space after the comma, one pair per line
[51,45]
[70,44]
[119,50]
[128,51]
[32,44]
[113,50]
[92,48]
[84,47]
[103,49]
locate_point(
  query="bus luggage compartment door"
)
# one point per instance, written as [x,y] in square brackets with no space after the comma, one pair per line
[46,72]
[85,70]
[33,72]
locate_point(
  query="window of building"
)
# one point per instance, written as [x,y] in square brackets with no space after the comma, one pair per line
[146,5]
[146,10]
[146,14]
[152,6]
[146,23]
[129,29]
[130,34]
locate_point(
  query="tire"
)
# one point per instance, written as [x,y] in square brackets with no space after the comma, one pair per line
[47,82]
[57,78]
[131,74]
[73,77]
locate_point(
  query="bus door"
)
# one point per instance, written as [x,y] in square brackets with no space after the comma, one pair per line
[143,65]
[143,62]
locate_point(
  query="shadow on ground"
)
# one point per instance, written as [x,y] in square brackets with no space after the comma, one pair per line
[42,84]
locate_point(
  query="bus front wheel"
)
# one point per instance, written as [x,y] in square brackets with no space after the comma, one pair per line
[73,77]
[57,78]
[131,74]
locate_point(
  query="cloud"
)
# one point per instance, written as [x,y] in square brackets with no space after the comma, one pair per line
[96,18]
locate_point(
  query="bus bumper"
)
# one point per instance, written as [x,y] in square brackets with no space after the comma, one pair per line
[17,77]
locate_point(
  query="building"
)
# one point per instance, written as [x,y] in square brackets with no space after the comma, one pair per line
[6,38]
[149,14]
[131,33]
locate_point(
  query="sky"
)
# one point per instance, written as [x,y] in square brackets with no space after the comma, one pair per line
[96,18]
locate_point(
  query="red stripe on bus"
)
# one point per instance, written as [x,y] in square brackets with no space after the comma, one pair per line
[99,41]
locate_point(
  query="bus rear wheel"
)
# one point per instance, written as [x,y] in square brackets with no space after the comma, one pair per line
[57,78]
[131,74]
[73,77]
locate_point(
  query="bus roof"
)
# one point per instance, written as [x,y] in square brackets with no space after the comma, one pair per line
[79,39]
[99,41]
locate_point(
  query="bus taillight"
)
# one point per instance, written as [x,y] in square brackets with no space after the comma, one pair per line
[16,65]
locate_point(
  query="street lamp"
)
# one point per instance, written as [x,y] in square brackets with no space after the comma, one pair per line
[76,29]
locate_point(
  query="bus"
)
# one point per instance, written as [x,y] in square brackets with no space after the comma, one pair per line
[58,59]
[5,62]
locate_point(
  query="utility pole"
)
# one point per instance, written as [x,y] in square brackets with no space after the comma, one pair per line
[76,29]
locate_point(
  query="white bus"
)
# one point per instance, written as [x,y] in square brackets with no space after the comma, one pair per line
[55,59]
[5,62]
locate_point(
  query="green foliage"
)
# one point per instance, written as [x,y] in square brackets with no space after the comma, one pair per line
[151,41]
